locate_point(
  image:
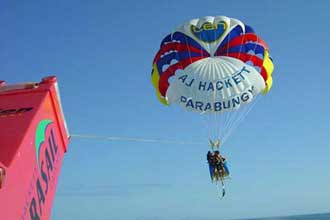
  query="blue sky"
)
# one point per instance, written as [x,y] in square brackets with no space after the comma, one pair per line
[102,51]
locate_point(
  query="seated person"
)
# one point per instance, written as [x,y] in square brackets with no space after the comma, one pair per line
[211,162]
[220,164]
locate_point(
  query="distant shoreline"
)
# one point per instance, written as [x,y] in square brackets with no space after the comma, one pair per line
[311,216]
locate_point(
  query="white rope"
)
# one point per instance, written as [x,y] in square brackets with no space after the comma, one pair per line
[133,139]
[242,116]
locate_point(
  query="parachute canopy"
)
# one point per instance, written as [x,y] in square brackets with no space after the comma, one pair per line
[212,64]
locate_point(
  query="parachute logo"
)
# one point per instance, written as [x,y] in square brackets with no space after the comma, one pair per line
[209,32]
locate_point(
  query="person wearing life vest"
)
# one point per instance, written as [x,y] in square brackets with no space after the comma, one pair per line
[220,164]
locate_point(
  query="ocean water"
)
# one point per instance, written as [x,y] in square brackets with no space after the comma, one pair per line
[325,216]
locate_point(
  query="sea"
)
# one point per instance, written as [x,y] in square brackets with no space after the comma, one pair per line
[323,216]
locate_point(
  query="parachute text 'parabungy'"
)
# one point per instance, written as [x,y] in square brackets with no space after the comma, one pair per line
[232,103]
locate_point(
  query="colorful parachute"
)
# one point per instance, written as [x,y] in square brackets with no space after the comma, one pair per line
[217,66]
[223,62]
[212,65]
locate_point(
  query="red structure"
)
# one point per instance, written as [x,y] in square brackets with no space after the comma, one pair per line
[33,140]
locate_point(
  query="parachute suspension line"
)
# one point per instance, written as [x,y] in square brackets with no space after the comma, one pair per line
[210,126]
[206,119]
[233,118]
[219,127]
[215,118]
[134,139]
[244,112]
[222,125]
[225,116]
[209,119]
[231,121]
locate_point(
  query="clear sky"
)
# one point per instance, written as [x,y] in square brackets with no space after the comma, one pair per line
[102,51]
